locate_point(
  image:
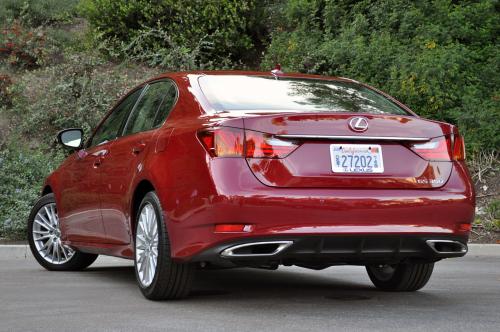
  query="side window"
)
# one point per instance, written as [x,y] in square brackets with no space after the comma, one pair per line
[109,129]
[166,106]
[155,100]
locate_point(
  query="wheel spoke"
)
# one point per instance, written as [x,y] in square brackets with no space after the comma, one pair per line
[146,245]
[54,251]
[54,216]
[49,215]
[63,250]
[47,236]
[43,237]
[44,224]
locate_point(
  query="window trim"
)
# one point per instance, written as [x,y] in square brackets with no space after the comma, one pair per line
[145,88]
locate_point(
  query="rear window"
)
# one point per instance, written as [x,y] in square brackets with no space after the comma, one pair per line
[256,93]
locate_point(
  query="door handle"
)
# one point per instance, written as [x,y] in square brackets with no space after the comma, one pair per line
[138,148]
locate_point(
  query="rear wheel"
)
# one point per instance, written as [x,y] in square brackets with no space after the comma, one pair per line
[159,277]
[44,237]
[403,277]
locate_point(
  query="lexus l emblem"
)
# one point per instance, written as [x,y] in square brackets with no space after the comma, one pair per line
[358,123]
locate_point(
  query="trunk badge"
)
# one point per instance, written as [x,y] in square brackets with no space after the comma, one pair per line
[358,123]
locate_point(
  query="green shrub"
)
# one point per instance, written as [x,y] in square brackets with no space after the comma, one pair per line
[5,94]
[20,47]
[232,28]
[26,169]
[442,58]
[493,214]
[37,12]
[76,93]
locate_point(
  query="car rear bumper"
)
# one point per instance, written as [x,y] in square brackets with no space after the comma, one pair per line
[323,251]
[237,197]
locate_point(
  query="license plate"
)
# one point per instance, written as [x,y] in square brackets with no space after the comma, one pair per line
[356,158]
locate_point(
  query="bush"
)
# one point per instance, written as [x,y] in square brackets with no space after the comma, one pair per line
[76,93]
[5,94]
[231,27]
[20,47]
[37,12]
[26,169]
[441,58]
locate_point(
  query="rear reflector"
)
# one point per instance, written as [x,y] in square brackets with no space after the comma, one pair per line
[440,148]
[234,142]
[233,228]
[464,227]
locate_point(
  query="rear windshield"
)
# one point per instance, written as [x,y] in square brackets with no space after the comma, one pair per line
[256,93]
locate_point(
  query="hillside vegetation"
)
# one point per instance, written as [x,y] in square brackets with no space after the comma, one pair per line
[63,63]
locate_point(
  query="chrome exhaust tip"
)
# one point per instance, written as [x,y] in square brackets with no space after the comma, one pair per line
[447,247]
[256,249]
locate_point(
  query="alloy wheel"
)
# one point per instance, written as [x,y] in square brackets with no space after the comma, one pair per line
[47,236]
[146,245]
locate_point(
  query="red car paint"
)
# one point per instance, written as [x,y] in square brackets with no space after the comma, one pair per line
[96,188]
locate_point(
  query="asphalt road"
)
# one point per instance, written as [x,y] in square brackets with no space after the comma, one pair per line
[463,294]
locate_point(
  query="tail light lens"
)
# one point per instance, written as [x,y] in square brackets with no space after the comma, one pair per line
[459,148]
[441,149]
[234,142]
[260,145]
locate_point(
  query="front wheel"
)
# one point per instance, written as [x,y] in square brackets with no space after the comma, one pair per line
[403,277]
[159,277]
[44,237]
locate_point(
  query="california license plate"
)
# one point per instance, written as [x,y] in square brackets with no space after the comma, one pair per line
[356,158]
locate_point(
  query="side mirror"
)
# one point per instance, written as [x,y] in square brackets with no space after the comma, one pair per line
[71,138]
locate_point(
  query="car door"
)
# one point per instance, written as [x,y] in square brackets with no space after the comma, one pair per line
[126,157]
[81,182]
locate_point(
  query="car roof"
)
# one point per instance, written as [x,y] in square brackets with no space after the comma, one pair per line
[185,74]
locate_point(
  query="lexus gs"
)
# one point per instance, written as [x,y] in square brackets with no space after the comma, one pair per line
[227,169]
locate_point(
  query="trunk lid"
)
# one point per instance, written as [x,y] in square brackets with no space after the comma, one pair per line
[310,165]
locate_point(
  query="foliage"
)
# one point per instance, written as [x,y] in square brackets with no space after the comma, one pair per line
[76,93]
[20,47]
[232,27]
[5,94]
[155,48]
[493,214]
[27,169]
[37,12]
[442,57]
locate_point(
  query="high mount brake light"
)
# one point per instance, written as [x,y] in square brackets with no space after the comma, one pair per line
[234,142]
[441,149]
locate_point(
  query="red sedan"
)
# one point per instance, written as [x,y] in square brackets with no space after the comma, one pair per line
[253,169]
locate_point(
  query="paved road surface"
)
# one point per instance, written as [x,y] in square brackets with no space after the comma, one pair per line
[463,294]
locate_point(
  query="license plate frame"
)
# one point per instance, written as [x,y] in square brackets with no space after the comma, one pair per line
[357,155]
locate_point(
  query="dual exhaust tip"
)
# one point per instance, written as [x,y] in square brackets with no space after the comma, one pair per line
[272,248]
[256,249]
[447,247]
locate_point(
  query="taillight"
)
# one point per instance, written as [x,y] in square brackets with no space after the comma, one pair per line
[223,142]
[459,148]
[234,142]
[441,149]
[260,145]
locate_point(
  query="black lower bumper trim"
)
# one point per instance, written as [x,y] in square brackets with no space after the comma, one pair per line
[323,251]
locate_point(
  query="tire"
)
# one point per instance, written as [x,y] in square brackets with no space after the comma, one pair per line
[403,277]
[170,280]
[44,238]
